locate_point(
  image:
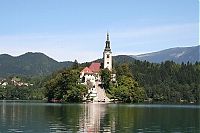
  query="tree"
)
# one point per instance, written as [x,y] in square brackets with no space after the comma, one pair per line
[106,78]
[65,86]
[2,92]
[121,93]
[76,93]
[128,90]
[75,65]
[123,70]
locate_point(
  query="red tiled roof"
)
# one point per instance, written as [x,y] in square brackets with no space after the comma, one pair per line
[86,70]
[95,67]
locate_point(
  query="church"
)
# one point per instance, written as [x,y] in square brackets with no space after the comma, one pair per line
[91,75]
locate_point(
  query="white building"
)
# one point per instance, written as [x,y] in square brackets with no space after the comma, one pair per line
[4,84]
[91,75]
[87,75]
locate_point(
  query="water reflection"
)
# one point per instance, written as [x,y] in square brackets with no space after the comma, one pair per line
[78,118]
[30,117]
[92,119]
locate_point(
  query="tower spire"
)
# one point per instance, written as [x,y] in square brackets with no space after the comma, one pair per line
[107,48]
[108,36]
[107,54]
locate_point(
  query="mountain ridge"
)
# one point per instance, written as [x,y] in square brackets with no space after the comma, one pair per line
[177,54]
[37,63]
[30,64]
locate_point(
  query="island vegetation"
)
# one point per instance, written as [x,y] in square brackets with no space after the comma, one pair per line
[137,82]
[65,86]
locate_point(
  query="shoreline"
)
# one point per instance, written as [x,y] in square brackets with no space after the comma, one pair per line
[117,103]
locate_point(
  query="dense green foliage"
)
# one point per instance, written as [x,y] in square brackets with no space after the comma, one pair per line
[65,86]
[106,79]
[29,64]
[125,89]
[12,92]
[165,82]
[128,90]
[31,92]
[136,81]
[61,85]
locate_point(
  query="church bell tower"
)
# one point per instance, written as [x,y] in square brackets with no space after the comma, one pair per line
[107,55]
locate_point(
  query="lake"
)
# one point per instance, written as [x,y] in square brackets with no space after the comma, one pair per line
[39,117]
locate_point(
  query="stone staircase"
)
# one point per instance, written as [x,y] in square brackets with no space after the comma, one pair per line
[101,94]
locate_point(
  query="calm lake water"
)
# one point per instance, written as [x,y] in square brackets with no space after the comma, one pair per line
[33,117]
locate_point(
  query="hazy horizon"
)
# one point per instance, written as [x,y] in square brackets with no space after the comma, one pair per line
[69,30]
[96,58]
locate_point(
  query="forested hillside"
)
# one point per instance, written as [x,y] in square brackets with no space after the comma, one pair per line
[29,64]
[165,82]
[34,64]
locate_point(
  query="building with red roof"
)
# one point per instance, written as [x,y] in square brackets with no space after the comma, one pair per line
[91,75]
[95,67]
[87,70]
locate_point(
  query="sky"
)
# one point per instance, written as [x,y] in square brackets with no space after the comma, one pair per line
[76,29]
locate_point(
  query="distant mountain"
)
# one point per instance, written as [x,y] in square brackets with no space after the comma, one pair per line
[30,64]
[119,59]
[178,55]
[33,64]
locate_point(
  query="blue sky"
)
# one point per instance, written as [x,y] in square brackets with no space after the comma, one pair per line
[76,29]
